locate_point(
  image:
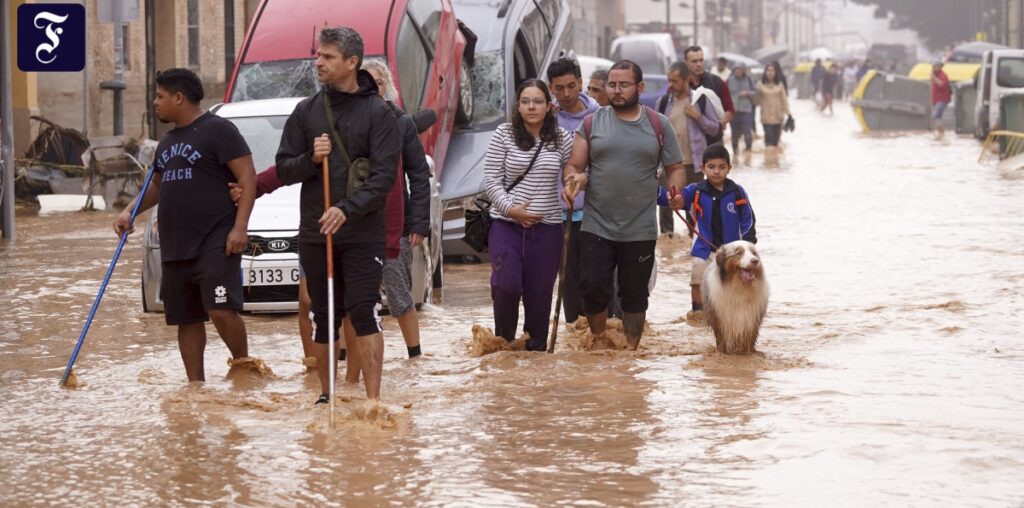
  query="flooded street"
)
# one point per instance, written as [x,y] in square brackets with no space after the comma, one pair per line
[893,371]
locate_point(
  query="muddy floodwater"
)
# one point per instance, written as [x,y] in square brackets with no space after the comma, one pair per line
[893,369]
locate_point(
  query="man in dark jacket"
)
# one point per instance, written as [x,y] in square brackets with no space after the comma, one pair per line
[694,58]
[366,127]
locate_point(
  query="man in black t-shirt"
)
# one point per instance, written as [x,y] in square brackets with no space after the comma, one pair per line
[202,233]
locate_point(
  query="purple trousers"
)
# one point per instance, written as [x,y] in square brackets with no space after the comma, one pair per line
[524,266]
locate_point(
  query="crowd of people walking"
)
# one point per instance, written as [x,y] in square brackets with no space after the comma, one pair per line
[581,177]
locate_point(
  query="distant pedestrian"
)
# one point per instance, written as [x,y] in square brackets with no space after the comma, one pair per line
[828,89]
[774,109]
[849,79]
[202,232]
[941,95]
[817,75]
[744,92]
[595,88]
[721,69]
[623,151]
[840,89]
[865,66]
[779,74]
[521,177]
[573,105]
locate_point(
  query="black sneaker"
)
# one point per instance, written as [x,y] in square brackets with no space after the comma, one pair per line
[324,399]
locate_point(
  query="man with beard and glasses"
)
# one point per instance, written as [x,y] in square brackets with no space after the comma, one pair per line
[616,154]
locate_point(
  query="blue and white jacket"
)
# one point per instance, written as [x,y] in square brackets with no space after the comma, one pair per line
[737,216]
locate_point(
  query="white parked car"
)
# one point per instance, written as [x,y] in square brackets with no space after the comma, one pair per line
[270,266]
[589,64]
[654,53]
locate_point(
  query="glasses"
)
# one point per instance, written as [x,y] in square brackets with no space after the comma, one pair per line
[619,85]
[536,102]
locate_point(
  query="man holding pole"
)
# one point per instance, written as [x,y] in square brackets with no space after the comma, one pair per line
[350,126]
[202,233]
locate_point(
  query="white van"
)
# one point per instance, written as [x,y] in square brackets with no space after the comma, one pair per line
[654,53]
[1007,68]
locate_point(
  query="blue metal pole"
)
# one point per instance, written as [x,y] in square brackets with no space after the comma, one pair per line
[106,279]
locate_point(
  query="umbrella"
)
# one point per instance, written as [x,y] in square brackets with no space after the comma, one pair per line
[768,54]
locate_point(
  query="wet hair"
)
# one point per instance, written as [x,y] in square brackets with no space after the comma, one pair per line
[716,151]
[347,40]
[629,65]
[183,81]
[389,93]
[691,49]
[601,74]
[548,129]
[681,68]
[563,66]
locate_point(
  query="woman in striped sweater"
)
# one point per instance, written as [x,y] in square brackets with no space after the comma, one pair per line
[525,240]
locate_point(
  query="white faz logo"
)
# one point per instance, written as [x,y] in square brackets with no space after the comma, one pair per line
[51,33]
[221,293]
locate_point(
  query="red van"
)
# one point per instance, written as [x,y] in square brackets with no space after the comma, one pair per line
[420,40]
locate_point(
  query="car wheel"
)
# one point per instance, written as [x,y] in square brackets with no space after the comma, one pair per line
[464,112]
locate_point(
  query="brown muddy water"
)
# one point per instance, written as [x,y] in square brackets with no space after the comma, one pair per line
[893,371]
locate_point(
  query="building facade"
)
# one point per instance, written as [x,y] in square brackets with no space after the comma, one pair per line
[595,24]
[203,35]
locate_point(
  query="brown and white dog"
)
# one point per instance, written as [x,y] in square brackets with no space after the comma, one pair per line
[735,297]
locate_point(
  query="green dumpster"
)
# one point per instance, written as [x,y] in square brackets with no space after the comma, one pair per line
[1011,118]
[965,96]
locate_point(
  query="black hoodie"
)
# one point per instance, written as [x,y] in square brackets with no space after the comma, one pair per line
[369,129]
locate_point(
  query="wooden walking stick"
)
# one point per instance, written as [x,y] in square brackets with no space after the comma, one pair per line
[561,276]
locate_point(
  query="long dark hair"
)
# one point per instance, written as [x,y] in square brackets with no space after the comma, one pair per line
[548,130]
[780,78]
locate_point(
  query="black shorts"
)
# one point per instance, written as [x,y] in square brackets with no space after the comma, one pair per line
[599,257]
[189,288]
[358,273]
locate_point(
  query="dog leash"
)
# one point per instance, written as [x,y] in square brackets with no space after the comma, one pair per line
[672,194]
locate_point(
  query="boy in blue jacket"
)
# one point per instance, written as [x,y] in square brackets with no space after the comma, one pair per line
[722,214]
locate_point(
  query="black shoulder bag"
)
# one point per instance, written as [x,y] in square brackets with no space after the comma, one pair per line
[359,169]
[478,220]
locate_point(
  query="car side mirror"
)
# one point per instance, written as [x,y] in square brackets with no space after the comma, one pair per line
[425,119]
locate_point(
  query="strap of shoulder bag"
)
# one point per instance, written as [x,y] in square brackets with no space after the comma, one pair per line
[334,131]
[528,168]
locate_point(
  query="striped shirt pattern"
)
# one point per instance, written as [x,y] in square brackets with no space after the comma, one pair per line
[504,163]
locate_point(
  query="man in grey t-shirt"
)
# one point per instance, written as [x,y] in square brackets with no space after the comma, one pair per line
[619,221]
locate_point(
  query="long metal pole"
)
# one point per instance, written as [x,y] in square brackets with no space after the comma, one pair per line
[6,127]
[118,12]
[330,292]
[106,279]
[150,66]
[85,80]
[695,24]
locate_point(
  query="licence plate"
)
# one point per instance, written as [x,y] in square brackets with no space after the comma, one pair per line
[270,275]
